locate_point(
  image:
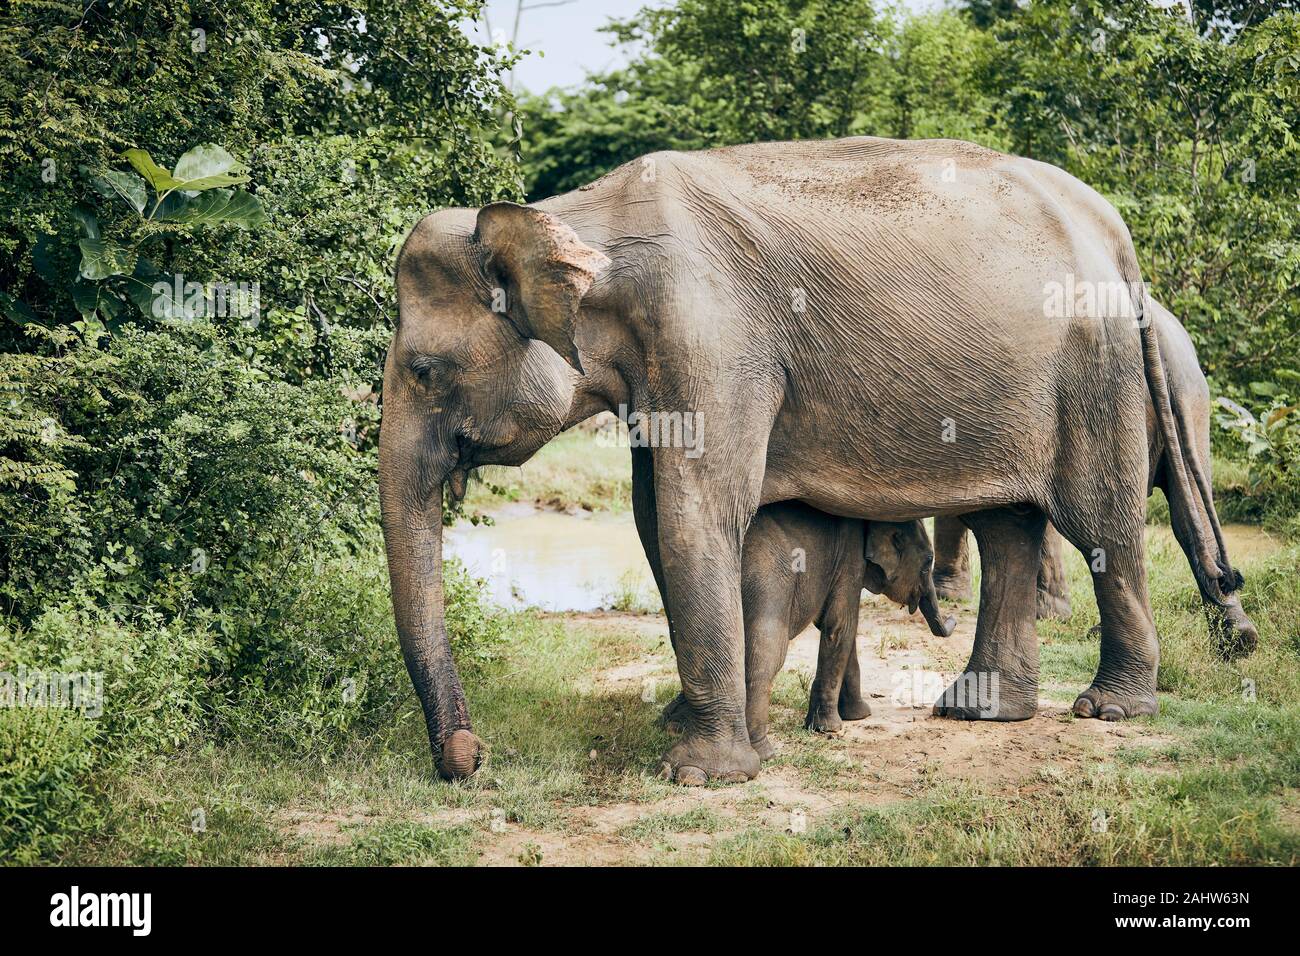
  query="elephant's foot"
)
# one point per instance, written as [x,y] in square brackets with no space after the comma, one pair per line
[952,586]
[1112,705]
[461,754]
[854,708]
[1053,606]
[823,719]
[676,716]
[764,747]
[695,760]
[984,696]
[1233,631]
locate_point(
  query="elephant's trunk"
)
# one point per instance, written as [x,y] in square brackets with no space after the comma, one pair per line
[412,471]
[939,625]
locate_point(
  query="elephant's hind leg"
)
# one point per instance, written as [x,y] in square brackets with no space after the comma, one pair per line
[1001,680]
[1053,588]
[853,706]
[1125,685]
[951,559]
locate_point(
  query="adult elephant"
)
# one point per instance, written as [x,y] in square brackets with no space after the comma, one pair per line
[1189,394]
[790,297]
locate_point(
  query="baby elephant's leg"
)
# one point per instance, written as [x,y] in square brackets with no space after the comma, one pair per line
[853,706]
[1053,588]
[836,653]
[767,638]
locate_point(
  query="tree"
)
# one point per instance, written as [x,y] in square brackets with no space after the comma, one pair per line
[1196,139]
[712,72]
[787,69]
[153,155]
[987,13]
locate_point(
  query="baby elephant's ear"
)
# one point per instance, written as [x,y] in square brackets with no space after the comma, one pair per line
[542,267]
[883,558]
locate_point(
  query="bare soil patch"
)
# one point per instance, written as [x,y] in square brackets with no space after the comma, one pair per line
[892,755]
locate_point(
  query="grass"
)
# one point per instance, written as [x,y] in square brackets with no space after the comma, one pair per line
[1211,780]
[631,595]
[656,826]
[574,470]
[553,746]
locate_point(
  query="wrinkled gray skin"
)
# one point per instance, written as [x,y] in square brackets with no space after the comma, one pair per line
[802,566]
[776,291]
[952,568]
[1233,631]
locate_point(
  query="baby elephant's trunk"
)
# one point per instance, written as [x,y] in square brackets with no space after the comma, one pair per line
[939,625]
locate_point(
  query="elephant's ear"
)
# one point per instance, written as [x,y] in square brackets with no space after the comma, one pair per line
[543,268]
[883,556]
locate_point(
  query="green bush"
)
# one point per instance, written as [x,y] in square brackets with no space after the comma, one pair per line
[168,471]
[187,505]
[45,761]
[152,676]
[1269,446]
[328,663]
[321,669]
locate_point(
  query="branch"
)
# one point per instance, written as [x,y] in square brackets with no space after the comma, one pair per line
[366,289]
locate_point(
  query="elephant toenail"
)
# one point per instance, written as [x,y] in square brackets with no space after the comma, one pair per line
[691,777]
[735,776]
[1112,712]
[1083,708]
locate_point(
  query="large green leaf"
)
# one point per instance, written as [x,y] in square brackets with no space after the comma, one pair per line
[208,167]
[43,253]
[158,178]
[235,207]
[87,224]
[140,286]
[158,295]
[127,186]
[17,312]
[101,259]
[85,296]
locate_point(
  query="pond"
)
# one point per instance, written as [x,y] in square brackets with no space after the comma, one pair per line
[557,561]
[588,561]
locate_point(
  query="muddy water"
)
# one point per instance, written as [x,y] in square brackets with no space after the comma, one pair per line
[556,561]
[586,562]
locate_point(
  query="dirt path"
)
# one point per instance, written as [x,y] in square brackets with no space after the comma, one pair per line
[898,754]
[885,758]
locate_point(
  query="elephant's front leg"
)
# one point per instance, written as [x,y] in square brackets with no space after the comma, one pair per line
[677,714]
[838,625]
[702,525]
[702,571]
[1001,680]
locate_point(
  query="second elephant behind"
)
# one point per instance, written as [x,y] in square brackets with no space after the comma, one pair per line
[1235,633]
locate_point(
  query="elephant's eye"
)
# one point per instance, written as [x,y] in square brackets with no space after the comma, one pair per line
[433,372]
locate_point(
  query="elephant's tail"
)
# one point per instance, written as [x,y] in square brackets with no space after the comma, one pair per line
[1186,478]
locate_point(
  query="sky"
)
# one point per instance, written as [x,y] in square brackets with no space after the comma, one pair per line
[567,33]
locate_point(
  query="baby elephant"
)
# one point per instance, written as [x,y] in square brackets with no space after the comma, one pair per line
[801,566]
